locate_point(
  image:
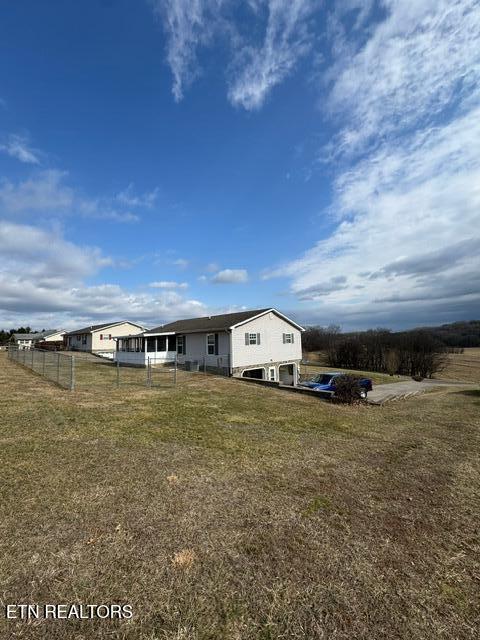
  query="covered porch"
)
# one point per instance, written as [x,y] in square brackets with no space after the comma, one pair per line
[141,348]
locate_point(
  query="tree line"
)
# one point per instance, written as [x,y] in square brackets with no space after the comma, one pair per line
[413,353]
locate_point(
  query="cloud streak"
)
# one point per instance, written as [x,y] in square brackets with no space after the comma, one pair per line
[259,69]
[18,147]
[255,68]
[408,207]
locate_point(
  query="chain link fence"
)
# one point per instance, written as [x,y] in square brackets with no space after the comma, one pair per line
[86,372]
[56,367]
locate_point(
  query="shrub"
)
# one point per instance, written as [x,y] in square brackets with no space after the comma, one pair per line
[347,389]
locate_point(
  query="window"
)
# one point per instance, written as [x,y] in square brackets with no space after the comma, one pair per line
[162,343]
[252,338]
[271,374]
[211,344]
[288,338]
[151,344]
[181,346]
[172,343]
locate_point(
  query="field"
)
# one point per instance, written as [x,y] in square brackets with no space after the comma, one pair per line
[464,367]
[224,510]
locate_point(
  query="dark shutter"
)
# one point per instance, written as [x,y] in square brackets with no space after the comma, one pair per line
[216,344]
[293,338]
[284,338]
[247,341]
[258,338]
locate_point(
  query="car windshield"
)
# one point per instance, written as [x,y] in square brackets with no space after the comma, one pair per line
[323,378]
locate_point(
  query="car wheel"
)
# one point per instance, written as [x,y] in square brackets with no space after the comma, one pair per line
[363,394]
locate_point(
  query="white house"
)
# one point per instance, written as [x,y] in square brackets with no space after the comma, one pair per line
[262,344]
[28,340]
[100,338]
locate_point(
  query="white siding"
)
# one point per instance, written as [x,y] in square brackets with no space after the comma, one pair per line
[55,337]
[124,329]
[271,348]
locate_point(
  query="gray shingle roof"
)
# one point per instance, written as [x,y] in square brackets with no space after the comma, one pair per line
[33,336]
[96,327]
[208,323]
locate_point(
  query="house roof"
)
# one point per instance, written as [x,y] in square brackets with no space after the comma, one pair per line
[97,327]
[213,323]
[34,336]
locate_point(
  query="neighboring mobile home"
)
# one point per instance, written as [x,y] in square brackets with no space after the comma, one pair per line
[100,338]
[28,340]
[262,344]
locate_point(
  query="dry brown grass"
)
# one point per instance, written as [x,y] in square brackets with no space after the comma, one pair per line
[301,519]
[462,366]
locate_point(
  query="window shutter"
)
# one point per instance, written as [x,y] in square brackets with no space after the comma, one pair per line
[284,338]
[258,338]
[293,338]
[216,344]
[247,341]
[101,336]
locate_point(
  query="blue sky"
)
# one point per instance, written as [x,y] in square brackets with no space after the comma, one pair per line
[172,158]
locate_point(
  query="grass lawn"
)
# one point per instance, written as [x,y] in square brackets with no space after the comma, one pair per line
[462,366]
[220,509]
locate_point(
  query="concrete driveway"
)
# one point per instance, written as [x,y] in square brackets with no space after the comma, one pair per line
[406,388]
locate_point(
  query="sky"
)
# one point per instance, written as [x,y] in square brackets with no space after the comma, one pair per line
[166,159]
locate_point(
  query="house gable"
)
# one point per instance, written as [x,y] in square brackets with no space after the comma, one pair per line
[270,337]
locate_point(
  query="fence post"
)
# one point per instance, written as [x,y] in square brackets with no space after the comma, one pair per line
[72,373]
[58,368]
[205,365]
[43,366]
[148,372]
[175,371]
[33,359]
[118,374]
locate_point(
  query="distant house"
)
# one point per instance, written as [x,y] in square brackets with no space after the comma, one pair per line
[28,340]
[100,338]
[262,344]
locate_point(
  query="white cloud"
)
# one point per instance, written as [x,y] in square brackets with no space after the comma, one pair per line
[287,39]
[18,147]
[47,193]
[181,263]
[230,276]
[406,248]
[255,67]
[188,25]
[402,210]
[129,198]
[42,283]
[422,58]
[168,284]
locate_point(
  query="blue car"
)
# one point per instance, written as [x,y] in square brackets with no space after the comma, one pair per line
[325,383]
